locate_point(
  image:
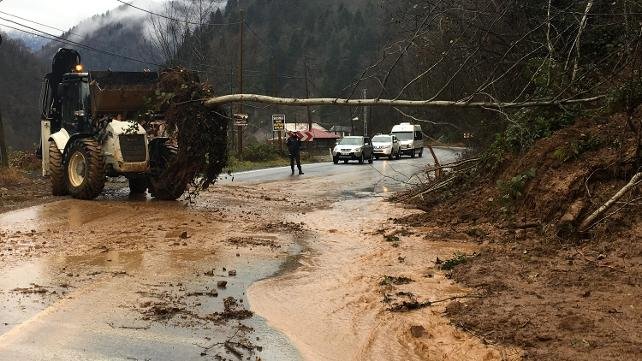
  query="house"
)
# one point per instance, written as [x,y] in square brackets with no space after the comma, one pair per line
[322,137]
[341,130]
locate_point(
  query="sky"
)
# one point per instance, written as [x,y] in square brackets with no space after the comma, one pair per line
[61,14]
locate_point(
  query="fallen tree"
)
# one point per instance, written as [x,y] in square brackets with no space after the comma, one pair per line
[264,99]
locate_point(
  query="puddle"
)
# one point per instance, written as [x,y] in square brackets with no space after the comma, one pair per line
[357,193]
[65,305]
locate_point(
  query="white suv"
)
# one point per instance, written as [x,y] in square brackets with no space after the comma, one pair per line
[386,145]
[353,148]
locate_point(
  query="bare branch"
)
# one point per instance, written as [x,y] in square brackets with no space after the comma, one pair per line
[588,222]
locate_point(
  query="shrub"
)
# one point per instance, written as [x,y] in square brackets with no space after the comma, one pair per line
[24,160]
[513,189]
[449,264]
[576,148]
[527,126]
[11,177]
[260,152]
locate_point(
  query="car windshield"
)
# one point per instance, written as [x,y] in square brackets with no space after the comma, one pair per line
[351,141]
[382,139]
[405,135]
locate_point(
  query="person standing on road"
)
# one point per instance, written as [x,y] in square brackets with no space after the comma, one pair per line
[294,148]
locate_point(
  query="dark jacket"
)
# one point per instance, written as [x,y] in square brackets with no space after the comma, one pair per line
[294,145]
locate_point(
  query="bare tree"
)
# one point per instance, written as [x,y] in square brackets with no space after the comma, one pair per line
[178,31]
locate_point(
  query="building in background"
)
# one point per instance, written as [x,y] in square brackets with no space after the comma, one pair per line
[322,137]
[341,130]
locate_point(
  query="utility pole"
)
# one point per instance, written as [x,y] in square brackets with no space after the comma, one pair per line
[231,128]
[4,155]
[307,92]
[275,91]
[240,128]
[365,114]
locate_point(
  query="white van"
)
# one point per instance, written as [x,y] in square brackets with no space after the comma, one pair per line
[411,139]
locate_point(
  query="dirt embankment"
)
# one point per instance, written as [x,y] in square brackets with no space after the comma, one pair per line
[556,294]
[21,184]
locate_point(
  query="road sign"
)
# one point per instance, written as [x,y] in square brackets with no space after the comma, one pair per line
[305,136]
[278,122]
[240,120]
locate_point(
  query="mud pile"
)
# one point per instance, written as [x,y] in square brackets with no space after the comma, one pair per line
[546,288]
[559,181]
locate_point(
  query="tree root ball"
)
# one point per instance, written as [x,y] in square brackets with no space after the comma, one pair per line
[200,132]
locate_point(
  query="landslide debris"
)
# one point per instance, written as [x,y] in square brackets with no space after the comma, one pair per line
[548,289]
[557,181]
[200,132]
[232,310]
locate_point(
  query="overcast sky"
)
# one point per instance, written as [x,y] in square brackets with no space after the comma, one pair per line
[61,14]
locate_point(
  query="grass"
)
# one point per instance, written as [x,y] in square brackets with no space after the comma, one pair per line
[236,165]
[11,177]
[451,263]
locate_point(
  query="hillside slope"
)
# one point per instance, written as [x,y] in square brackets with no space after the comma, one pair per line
[539,285]
[121,31]
[20,76]
[334,39]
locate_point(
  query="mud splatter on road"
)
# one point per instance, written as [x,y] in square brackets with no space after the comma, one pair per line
[139,279]
[121,278]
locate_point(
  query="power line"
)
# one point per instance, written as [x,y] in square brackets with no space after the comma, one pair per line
[71,42]
[185,21]
[258,37]
[62,40]
[41,24]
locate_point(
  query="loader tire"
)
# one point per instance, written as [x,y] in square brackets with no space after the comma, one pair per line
[162,185]
[57,171]
[137,185]
[85,169]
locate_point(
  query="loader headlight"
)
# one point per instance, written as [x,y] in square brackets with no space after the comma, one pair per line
[78,68]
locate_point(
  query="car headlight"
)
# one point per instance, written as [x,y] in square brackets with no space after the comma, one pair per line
[358,149]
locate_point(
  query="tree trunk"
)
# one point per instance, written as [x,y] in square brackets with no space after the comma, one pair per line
[438,170]
[256,98]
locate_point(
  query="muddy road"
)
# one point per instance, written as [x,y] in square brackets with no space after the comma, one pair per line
[263,266]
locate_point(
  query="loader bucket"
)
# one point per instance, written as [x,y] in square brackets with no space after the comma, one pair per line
[120,92]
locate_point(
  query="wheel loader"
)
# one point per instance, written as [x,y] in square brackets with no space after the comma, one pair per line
[89,131]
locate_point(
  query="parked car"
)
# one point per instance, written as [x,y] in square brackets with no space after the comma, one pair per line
[411,139]
[353,148]
[385,145]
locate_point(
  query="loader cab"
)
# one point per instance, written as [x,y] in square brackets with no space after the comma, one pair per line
[75,103]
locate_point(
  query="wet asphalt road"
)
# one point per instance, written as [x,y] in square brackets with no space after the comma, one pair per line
[381,176]
[98,315]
